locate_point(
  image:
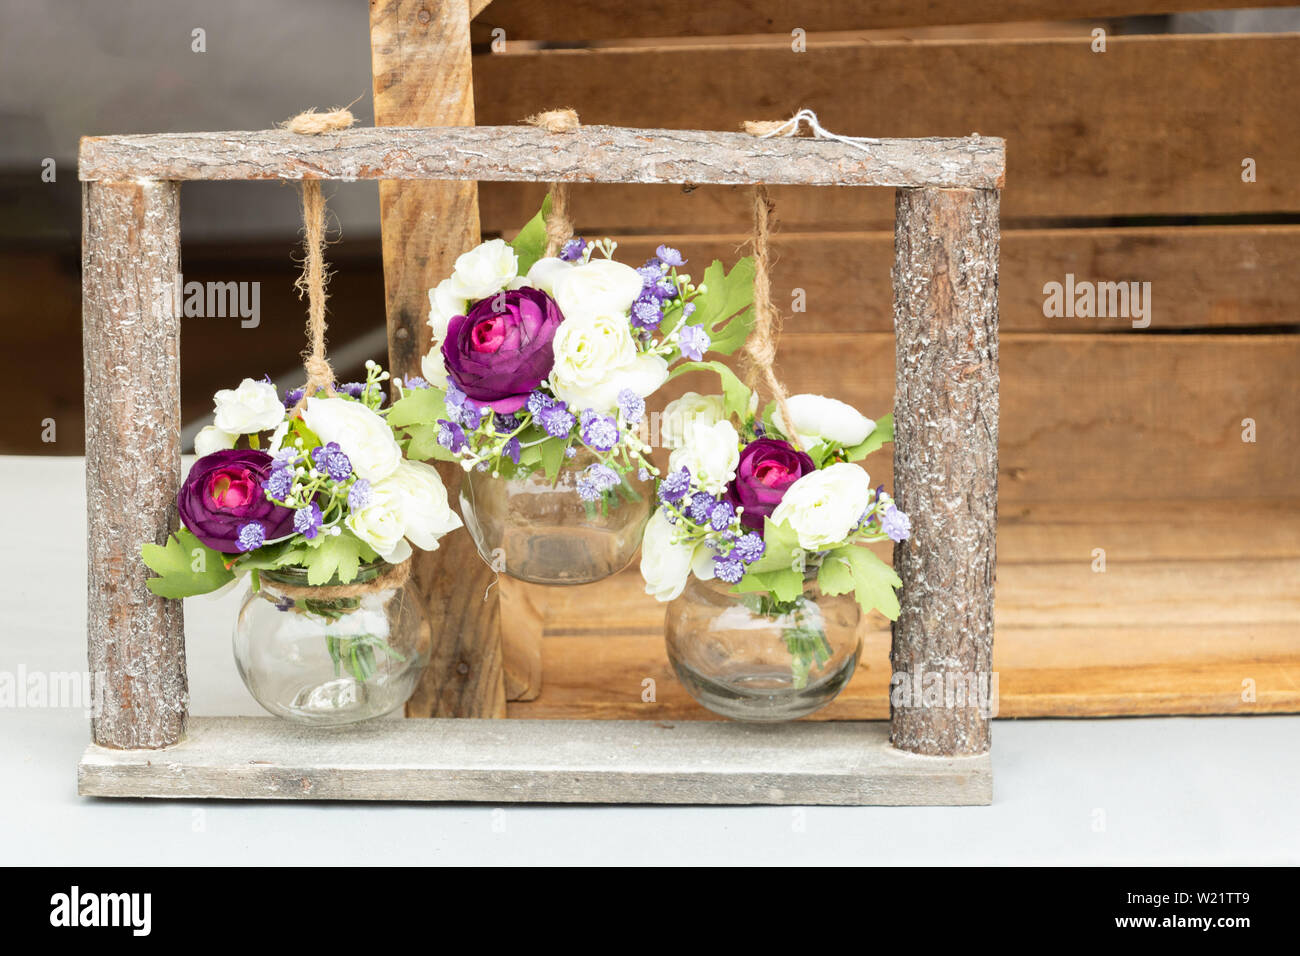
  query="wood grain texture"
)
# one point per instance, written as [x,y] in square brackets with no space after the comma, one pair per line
[526,154]
[1175,624]
[490,761]
[945,460]
[1086,417]
[1201,276]
[586,20]
[420,62]
[1133,131]
[521,606]
[130,255]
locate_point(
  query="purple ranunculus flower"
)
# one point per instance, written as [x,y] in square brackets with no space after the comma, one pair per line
[223,493]
[502,349]
[767,467]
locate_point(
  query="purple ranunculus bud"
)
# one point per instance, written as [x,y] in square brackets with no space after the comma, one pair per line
[502,348]
[767,467]
[223,493]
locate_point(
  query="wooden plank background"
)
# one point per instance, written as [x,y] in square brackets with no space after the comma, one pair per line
[1122,166]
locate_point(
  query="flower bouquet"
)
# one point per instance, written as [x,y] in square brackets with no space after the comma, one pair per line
[319,511]
[539,374]
[758,546]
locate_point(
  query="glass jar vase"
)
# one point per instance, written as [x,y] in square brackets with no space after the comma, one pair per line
[334,654]
[541,531]
[749,657]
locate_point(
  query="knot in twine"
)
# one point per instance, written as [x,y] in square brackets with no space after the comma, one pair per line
[558,226]
[315,276]
[766,129]
[392,576]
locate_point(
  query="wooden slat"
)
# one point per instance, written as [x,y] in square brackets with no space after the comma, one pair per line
[1201,276]
[526,154]
[421,67]
[1137,130]
[488,761]
[585,20]
[1174,625]
[1113,417]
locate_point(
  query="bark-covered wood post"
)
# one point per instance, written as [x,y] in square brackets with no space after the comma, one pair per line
[420,60]
[945,467]
[130,258]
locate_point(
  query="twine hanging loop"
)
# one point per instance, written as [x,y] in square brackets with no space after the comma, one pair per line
[558,226]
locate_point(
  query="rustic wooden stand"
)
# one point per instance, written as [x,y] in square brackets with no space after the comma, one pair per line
[945,288]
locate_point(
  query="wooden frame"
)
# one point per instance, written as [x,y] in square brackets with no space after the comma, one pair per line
[945,281]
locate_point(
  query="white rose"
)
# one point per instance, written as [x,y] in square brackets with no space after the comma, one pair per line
[381,523]
[445,302]
[823,506]
[544,273]
[434,367]
[710,453]
[212,439]
[595,359]
[818,418]
[253,407]
[362,434]
[485,269]
[665,564]
[426,515]
[601,287]
[681,413]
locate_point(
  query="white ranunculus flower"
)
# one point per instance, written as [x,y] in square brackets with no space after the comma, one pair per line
[601,287]
[818,418]
[681,413]
[823,506]
[426,515]
[445,302]
[595,359]
[544,273]
[665,564]
[276,442]
[710,453]
[363,435]
[382,523]
[251,408]
[434,367]
[212,439]
[486,269]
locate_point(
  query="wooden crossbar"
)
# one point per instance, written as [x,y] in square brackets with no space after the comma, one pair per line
[594,154]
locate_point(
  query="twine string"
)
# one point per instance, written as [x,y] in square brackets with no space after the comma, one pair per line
[766,129]
[392,576]
[558,226]
[315,274]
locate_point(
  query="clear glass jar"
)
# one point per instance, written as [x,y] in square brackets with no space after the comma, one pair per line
[330,660]
[748,658]
[543,532]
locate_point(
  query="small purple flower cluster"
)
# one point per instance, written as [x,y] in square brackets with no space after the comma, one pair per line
[596,480]
[713,520]
[657,288]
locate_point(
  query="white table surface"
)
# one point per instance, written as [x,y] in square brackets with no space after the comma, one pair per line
[1131,791]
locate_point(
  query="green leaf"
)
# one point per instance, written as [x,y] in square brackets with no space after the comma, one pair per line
[530,244]
[874,582]
[884,432]
[734,392]
[424,444]
[785,585]
[552,457]
[421,406]
[273,556]
[337,554]
[782,552]
[724,310]
[185,566]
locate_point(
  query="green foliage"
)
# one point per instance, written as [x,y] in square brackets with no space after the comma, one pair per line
[331,555]
[185,567]
[734,392]
[782,553]
[423,444]
[552,457]
[530,244]
[419,406]
[873,582]
[784,585]
[884,432]
[724,310]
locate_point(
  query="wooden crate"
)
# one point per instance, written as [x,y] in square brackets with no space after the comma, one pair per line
[1126,166]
